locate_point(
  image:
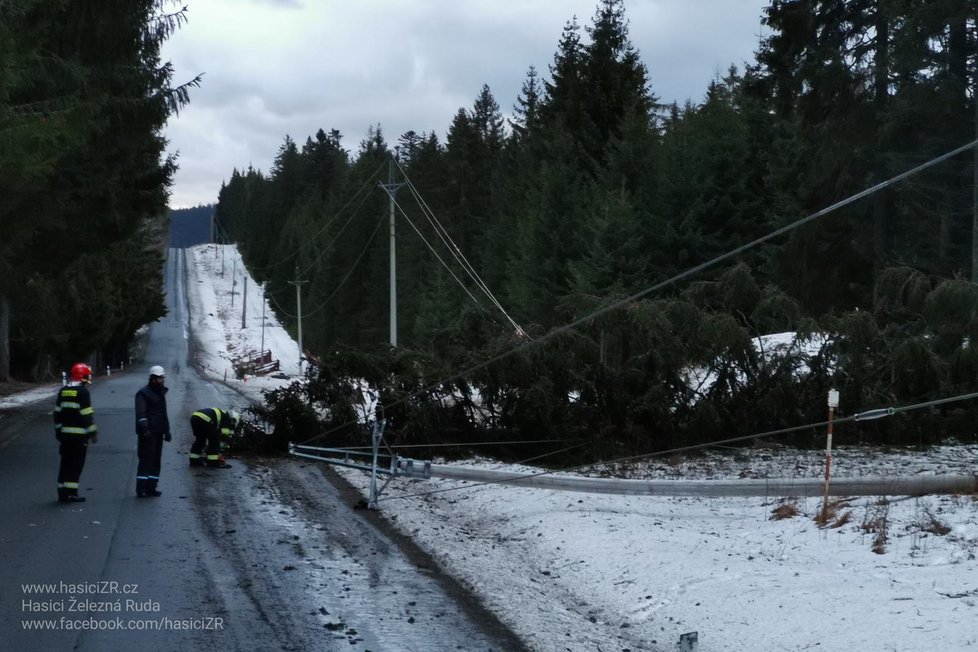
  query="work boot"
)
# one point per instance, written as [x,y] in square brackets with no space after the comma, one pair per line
[218,465]
[71,499]
[151,493]
[196,462]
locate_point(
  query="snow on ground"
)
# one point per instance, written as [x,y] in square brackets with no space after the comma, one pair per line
[576,571]
[216,290]
[19,399]
[573,571]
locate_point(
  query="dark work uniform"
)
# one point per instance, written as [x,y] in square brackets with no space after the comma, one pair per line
[74,425]
[209,425]
[152,425]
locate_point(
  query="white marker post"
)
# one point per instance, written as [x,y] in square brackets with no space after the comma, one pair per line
[833,404]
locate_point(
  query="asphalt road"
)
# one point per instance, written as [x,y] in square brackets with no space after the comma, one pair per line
[262,556]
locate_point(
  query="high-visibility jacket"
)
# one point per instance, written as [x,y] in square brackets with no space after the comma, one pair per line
[73,413]
[219,419]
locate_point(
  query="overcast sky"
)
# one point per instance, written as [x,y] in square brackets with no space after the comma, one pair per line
[277,67]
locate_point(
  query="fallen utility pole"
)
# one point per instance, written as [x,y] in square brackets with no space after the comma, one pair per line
[795,487]
[865,486]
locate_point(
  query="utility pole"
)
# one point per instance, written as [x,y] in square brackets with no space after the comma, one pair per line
[391,189]
[261,351]
[974,188]
[298,302]
[244,300]
[234,279]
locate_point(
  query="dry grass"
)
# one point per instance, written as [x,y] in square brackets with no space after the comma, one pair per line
[832,515]
[845,517]
[787,509]
[876,523]
[930,523]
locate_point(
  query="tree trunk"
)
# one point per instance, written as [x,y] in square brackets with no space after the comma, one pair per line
[4,339]
[974,192]
[881,92]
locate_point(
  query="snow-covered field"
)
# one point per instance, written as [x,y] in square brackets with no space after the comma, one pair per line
[572,571]
[594,572]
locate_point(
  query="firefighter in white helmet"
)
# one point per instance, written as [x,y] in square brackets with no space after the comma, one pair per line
[152,429]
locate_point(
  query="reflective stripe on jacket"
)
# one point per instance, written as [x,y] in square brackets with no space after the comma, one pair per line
[73,412]
[217,418]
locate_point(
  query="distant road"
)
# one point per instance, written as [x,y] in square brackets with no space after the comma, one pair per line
[257,557]
[190,226]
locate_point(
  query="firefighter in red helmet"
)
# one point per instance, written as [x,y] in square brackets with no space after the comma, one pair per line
[74,427]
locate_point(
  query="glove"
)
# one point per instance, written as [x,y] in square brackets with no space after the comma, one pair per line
[94,438]
[167,437]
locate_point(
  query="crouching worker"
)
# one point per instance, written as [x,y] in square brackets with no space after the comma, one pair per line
[209,425]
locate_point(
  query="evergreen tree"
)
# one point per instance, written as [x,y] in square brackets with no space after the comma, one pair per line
[89,95]
[526,112]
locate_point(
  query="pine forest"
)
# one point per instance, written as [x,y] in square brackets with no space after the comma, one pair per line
[594,265]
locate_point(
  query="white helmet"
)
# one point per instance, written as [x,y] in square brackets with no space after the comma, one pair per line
[235,418]
[157,370]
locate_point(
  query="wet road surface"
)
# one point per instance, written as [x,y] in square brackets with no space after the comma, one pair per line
[262,556]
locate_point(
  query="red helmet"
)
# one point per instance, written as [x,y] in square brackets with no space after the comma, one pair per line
[81,372]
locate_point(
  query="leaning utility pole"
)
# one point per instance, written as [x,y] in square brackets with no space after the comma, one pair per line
[298,303]
[391,189]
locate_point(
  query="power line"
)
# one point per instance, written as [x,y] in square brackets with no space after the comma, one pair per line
[428,244]
[310,240]
[862,416]
[322,252]
[674,279]
[455,251]
[353,267]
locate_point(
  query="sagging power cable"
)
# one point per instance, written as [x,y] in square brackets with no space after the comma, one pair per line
[428,244]
[867,415]
[551,334]
[454,249]
[311,239]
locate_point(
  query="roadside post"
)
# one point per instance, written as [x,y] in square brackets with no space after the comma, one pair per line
[833,404]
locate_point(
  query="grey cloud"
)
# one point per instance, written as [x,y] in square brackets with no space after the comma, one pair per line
[408,66]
